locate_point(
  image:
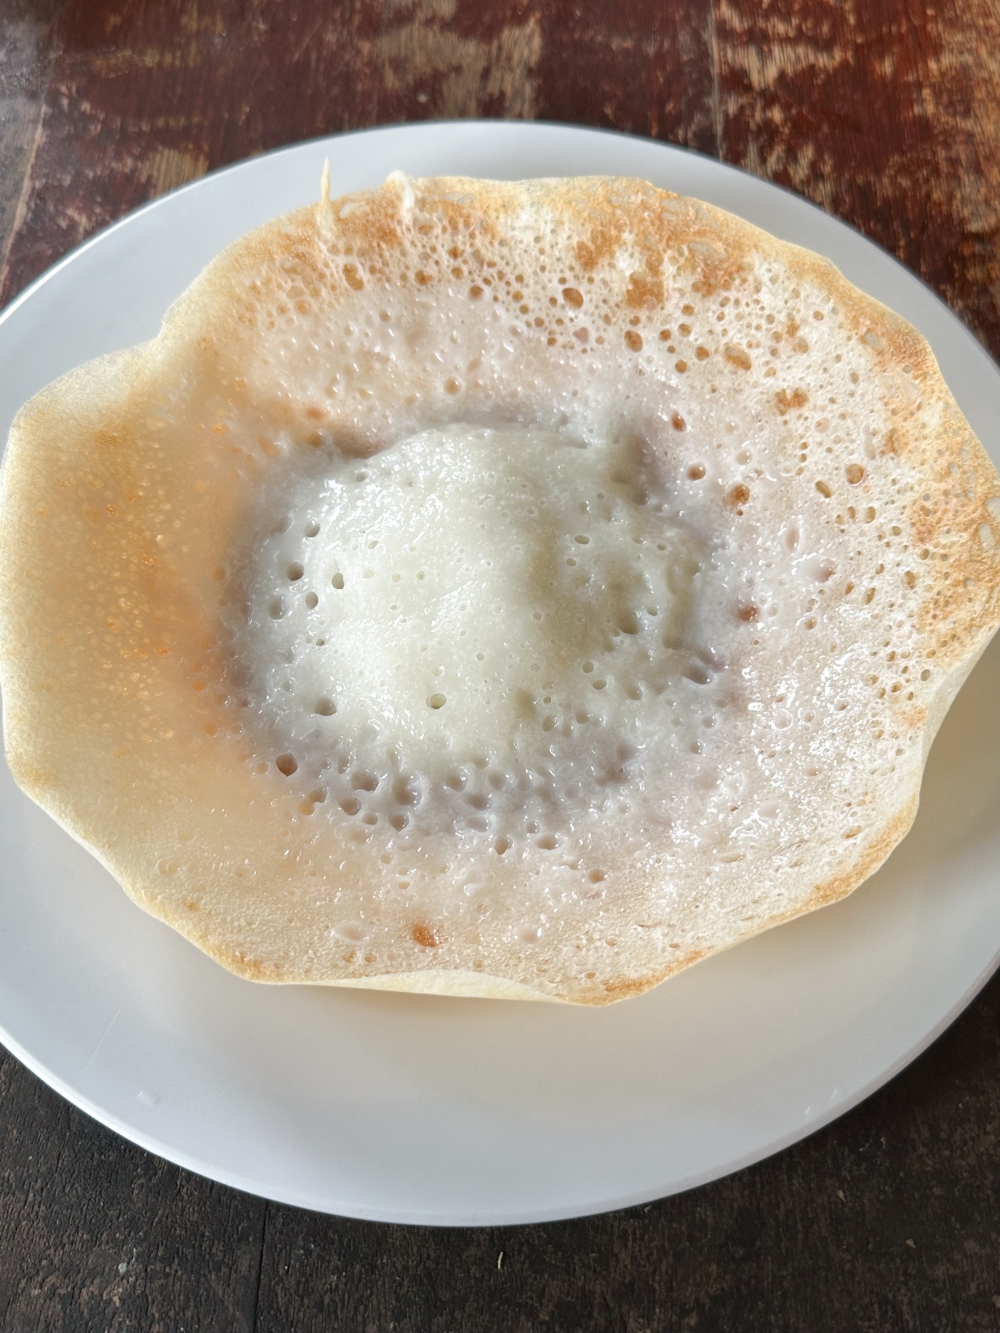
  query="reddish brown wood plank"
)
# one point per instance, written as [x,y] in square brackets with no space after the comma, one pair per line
[646,70]
[96,1234]
[145,96]
[886,114]
[26,55]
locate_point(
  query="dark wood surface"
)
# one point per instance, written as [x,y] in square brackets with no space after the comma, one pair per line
[882,111]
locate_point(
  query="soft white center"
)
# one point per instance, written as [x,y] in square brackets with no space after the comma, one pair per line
[472,590]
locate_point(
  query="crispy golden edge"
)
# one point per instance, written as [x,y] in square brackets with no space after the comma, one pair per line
[474,985]
[607,213]
[46,412]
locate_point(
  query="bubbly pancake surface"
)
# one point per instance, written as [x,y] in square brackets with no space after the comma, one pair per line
[473,596]
[495,589]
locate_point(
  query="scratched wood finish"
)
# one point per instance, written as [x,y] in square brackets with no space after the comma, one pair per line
[883,111]
[139,98]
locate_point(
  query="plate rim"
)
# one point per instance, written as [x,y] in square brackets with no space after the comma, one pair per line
[192,1162]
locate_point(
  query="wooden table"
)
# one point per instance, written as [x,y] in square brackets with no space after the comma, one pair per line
[882,111]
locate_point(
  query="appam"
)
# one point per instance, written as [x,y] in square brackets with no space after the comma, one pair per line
[494,589]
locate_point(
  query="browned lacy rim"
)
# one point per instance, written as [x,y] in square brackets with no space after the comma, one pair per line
[494,589]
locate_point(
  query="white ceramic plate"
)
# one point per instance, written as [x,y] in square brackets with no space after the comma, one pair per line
[430,1110]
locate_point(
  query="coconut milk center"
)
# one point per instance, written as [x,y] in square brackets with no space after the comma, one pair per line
[472,589]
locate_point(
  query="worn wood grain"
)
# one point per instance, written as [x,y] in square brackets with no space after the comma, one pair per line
[883,112]
[144,97]
[97,1234]
[551,60]
[26,56]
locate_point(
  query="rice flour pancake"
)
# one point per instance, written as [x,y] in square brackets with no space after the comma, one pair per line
[494,589]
